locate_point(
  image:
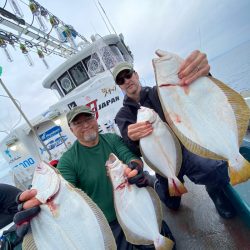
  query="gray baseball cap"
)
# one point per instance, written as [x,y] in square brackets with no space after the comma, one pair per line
[120,67]
[78,110]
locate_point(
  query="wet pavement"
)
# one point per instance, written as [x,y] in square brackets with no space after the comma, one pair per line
[197,225]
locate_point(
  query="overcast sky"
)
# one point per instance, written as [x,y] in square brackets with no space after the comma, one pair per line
[178,26]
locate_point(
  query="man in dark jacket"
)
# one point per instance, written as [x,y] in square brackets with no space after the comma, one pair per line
[8,205]
[212,173]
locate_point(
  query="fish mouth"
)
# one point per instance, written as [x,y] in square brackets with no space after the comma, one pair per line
[40,169]
[111,161]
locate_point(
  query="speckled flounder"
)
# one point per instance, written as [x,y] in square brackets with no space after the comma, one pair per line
[138,210]
[161,150]
[208,117]
[69,219]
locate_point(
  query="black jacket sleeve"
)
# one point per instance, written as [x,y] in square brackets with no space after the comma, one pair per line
[123,119]
[8,205]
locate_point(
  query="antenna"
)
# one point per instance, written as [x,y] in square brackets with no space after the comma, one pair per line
[103,19]
[103,14]
[107,18]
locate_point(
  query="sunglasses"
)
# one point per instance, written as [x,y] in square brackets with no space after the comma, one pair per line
[126,74]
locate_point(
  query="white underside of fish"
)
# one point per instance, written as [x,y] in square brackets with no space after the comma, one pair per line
[204,116]
[68,219]
[131,202]
[161,150]
[159,147]
[74,225]
[136,209]
[207,116]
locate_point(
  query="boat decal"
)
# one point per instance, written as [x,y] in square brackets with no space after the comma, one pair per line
[50,133]
[54,143]
[108,102]
[107,91]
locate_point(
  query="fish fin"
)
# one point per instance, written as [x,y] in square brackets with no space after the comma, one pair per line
[189,144]
[108,238]
[157,205]
[175,187]
[29,242]
[178,155]
[241,175]
[178,150]
[131,236]
[163,243]
[239,106]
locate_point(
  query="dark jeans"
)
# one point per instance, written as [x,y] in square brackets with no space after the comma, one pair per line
[122,244]
[211,173]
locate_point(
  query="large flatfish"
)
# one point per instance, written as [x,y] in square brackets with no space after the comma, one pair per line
[208,117]
[138,210]
[68,219]
[161,150]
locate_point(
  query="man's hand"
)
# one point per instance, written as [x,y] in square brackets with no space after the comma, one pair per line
[28,207]
[193,67]
[136,175]
[139,130]
[27,198]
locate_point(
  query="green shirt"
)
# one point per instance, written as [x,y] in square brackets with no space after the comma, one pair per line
[84,167]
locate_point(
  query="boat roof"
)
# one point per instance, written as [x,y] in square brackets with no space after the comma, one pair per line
[87,51]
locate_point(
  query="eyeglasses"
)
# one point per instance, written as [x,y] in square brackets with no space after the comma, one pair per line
[79,123]
[127,74]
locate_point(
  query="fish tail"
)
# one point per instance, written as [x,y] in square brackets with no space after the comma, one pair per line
[239,175]
[175,187]
[163,243]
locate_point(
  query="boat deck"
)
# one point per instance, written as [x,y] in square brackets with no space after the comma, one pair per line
[197,225]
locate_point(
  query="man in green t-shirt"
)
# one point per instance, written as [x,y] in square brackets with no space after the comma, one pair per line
[83,165]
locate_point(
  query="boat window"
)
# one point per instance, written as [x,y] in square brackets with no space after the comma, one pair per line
[111,55]
[78,73]
[66,83]
[56,90]
[93,64]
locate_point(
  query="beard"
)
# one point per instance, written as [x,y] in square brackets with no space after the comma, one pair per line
[90,136]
